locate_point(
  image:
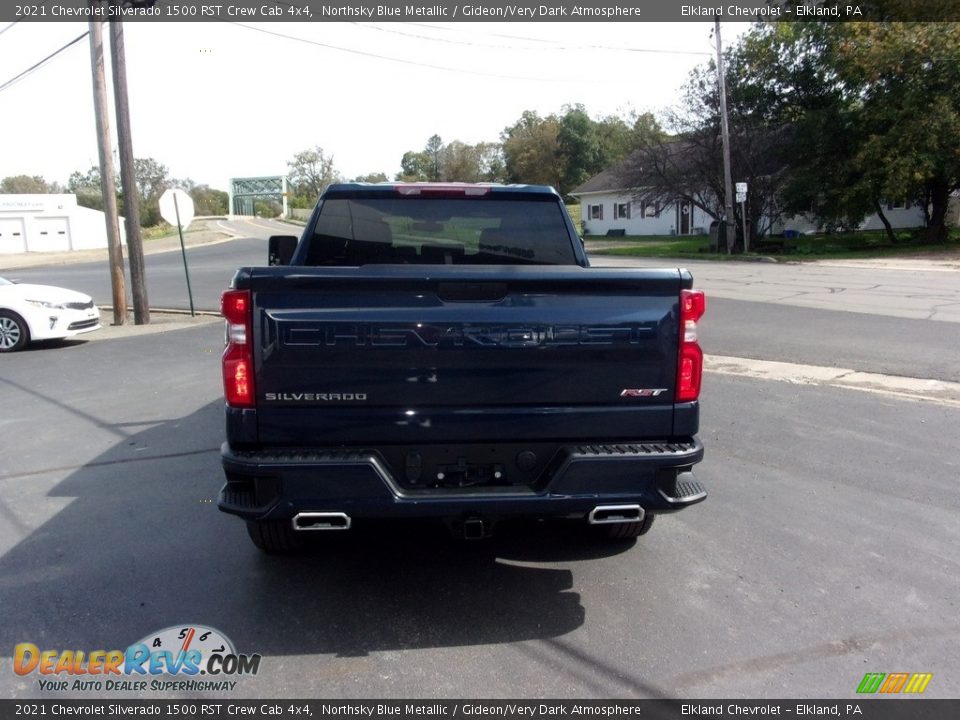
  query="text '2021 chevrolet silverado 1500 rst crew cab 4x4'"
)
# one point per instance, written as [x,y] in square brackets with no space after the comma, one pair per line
[444,351]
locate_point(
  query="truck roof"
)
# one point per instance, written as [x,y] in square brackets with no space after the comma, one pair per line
[436,188]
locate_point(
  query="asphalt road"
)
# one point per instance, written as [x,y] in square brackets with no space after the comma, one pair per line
[827,547]
[211,268]
[874,320]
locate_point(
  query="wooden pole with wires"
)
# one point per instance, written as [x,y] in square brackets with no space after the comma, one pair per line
[107,183]
[128,178]
[729,218]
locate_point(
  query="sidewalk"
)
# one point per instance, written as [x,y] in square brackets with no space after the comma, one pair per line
[209,235]
[160,322]
[947,260]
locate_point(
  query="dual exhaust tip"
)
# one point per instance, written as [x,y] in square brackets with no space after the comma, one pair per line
[473,528]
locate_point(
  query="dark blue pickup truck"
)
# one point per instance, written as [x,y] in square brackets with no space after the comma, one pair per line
[444,351]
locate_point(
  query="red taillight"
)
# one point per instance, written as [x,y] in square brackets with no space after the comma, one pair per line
[238,388]
[693,304]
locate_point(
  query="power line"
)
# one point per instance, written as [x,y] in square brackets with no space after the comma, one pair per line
[9,26]
[38,65]
[560,45]
[367,26]
[391,59]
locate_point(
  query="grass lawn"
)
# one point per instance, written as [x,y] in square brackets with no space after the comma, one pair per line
[808,247]
[164,230]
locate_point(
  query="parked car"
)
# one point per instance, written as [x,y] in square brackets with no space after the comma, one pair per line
[42,312]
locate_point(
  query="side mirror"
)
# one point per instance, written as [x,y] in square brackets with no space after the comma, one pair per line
[280,249]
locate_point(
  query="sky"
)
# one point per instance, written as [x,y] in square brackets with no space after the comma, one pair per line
[217,100]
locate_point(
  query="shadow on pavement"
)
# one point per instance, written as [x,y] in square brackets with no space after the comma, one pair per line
[141,546]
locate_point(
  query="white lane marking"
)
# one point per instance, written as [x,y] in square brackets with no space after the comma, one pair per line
[232,233]
[261,225]
[941,392]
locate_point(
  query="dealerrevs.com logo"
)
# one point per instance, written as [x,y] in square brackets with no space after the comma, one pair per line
[182,658]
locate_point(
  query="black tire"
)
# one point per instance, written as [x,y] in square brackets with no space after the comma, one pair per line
[627,530]
[274,537]
[14,333]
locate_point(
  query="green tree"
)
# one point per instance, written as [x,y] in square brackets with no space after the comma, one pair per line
[459,162]
[490,161]
[531,151]
[907,77]
[153,179]
[376,177]
[579,146]
[86,186]
[28,185]
[873,109]
[434,154]
[311,172]
[787,76]
[413,167]
[206,200]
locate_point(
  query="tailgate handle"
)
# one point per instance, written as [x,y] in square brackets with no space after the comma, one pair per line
[472,291]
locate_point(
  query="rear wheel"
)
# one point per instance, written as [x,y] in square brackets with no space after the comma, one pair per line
[627,530]
[14,333]
[275,537]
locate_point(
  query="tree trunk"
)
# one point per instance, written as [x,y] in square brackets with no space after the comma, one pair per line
[937,225]
[886,223]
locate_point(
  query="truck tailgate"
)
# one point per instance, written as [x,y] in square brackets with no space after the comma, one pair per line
[399,354]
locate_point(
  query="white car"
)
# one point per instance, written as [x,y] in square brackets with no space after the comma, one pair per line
[42,312]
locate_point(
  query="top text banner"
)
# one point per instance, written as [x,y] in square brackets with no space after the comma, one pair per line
[485,11]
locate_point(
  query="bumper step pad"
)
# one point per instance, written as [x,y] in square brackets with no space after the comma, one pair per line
[686,491]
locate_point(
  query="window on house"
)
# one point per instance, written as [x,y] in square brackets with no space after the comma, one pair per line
[896,205]
[621,210]
[649,210]
[595,212]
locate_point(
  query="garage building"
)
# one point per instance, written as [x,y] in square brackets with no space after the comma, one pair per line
[50,223]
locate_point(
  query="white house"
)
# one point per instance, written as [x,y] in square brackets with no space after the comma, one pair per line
[609,208]
[50,223]
[900,215]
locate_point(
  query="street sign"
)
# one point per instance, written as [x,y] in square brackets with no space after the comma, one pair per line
[741,196]
[176,205]
[741,189]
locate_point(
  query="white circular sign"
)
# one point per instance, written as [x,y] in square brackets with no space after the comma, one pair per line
[169,210]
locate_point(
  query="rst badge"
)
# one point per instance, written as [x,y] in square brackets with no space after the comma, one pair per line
[642,392]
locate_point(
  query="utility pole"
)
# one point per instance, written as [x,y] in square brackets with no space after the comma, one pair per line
[107,184]
[729,218]
[131,201]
